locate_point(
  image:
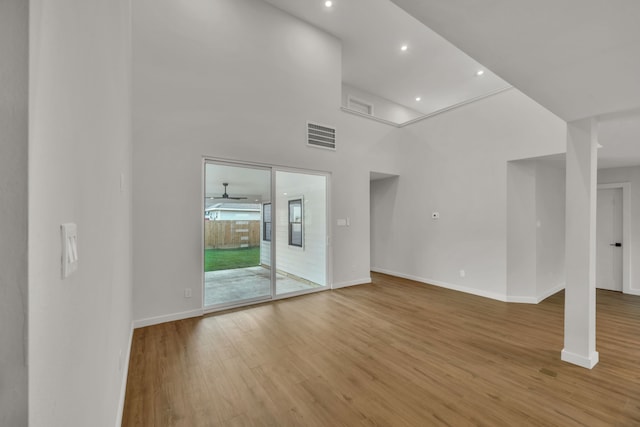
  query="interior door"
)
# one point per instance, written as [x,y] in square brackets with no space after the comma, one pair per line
[609,240]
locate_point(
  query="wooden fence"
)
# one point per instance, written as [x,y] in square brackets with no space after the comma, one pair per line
[231,234]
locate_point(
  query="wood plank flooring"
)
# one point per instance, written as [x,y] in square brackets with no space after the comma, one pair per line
[392,353]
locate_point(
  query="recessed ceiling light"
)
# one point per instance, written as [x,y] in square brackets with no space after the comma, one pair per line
[404,47]
[479,73]
[418,98]
[328,3]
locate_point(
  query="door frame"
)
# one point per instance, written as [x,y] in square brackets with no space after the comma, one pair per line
[626,233]
[273,169]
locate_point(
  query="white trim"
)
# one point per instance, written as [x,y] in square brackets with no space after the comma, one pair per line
[521,300]
[367,116]
[351,99]
[576,359]
[348,283]
[536,300]
[426,116]
[455,106]
[141,323]
[626,234]
[123,379]
[550,292]
[465,289]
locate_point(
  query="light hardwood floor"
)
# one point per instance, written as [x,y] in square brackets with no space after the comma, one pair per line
[392,353]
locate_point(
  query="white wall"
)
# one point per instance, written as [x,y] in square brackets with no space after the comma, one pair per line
[382,107]
[310,261]
[80,146]
[632,176]
[535,228]
[550,228]
[521,230]
[14,32]
[456,163]
[235,80]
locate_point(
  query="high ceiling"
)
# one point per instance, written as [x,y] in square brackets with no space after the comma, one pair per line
[372,33]
[577,58]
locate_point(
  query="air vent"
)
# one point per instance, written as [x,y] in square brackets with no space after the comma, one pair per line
[321,136]
[359,106]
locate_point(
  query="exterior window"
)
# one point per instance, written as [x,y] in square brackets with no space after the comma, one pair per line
[266,222]
[295,222]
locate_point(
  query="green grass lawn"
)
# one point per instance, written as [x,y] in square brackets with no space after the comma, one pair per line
[225,259]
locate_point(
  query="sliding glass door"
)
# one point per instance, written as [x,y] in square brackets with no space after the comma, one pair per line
[301,231]
[234,249]
[260,245]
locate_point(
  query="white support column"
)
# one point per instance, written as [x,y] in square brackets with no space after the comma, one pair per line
[580,294]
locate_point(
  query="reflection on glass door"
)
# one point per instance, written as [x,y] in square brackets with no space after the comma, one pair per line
[300,231]
[237,220]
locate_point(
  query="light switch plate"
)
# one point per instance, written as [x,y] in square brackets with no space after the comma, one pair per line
[69,241]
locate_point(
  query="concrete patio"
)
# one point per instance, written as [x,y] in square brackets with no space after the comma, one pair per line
[226,286]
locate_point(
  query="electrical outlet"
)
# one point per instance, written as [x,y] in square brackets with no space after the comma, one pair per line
[462,273]
[187,292]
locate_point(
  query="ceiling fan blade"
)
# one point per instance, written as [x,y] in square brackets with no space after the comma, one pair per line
[237,198]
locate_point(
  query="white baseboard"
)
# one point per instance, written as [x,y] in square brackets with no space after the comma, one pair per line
[522,300]
[536,300]
[351,283]
[576,359]
[550,292]
[632,292]
[123,379]
[167,318]
[465,289]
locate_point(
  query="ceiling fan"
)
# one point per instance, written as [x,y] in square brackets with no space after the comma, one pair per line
[225,195]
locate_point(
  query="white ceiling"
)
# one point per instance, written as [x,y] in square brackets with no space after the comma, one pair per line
[619,135]
[577,58]
[372,32]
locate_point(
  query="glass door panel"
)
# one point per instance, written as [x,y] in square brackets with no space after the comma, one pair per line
[237,234]
[300,222]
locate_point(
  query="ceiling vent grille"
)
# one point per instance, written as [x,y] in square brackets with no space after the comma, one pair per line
[321,136]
